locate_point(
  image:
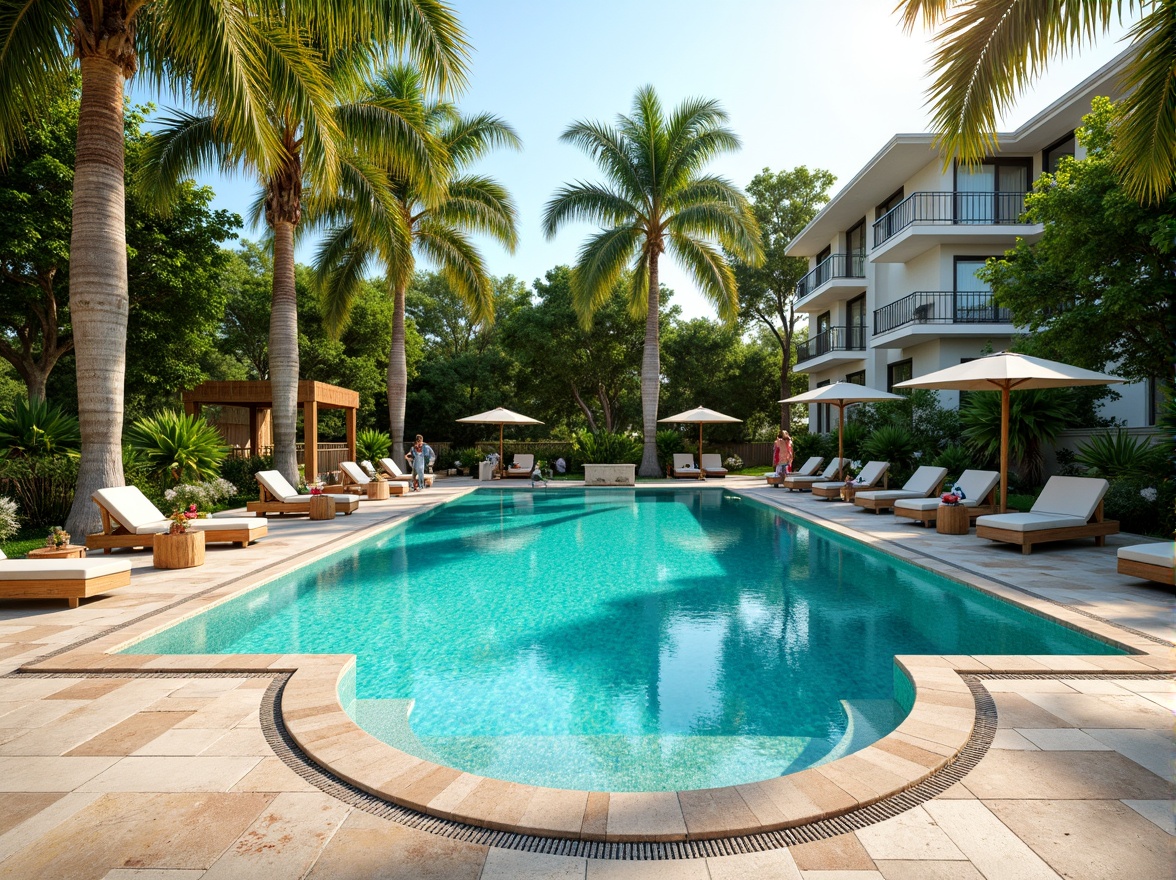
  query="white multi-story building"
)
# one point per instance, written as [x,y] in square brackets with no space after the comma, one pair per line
[892,291]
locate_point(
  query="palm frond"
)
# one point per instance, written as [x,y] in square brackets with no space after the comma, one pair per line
[183,144]
[710,271]
[460,264]
[468,138]
[35,57]
[482,205]
[1145,133]
[599,265]
[611,152]
[929,13]
[588,202]
[340,263]
[637,289]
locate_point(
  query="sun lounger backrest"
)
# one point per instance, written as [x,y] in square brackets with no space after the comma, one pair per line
[925,479]
[129,506]
[712,461]
[1071,496]
[391,467]
[684,461]
[810,467]
[977,485]
[834,466]
[523,461]
[277,485]
[354,472]
[873,472]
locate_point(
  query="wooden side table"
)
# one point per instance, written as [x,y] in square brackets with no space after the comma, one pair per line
[69,551]
[322,507]
[848,492]
[952,519]
[178,551]
[377,490]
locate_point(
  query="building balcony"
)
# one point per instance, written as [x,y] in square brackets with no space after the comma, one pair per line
[936,314]
[830,348]
[837,277]
[926,219]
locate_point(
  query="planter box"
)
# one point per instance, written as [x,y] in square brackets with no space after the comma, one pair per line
[610,475]
[178,551]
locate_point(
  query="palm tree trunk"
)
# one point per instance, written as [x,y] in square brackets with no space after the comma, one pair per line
[98,284]
[651,377]
[397,376]
[283,353]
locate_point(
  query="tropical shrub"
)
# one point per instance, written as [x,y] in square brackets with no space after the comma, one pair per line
[605,447]
[240,471]
[468,457]
[37,427]
[806,444]
[1142,505]
[177,446]
[1068,463]
[204,495]
[956,457]
[1118,454]
[1036,417]
[669,442]
[893,443]
[372,445]
[43,486]
[9,523]
[853,439]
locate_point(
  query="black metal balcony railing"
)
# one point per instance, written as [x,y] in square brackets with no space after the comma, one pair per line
[941,307]
[833,266]
[851,338]
[950,208]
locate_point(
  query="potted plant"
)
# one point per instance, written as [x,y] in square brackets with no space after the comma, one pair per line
[58,538]
[179,546]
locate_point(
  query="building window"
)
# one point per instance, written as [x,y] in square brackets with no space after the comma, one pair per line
[899,372]
[855,250]
[823,411]
[992,191]
[889,205]
[855,325]
[1052,155]
[858,378]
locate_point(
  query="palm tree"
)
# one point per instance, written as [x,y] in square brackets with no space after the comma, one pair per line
[990,50]
[312,140]
[432,215]
[656,198]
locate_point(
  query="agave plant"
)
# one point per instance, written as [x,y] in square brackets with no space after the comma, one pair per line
[1118,454]
[1036,417]
[893,443]
[38,428]
[956,457]
[178,447]
[372,445]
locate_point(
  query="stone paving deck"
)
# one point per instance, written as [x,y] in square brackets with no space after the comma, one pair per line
[172,777]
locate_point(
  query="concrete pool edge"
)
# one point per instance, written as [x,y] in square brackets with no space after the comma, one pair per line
[928,740]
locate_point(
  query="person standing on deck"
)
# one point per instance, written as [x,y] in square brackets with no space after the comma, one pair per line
[420,458]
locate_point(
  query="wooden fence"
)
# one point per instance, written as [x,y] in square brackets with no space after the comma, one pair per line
[329,455]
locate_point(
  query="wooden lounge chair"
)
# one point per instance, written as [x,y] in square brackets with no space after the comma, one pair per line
[1068,507]
[521,466]
[129,519]
[808,469]
[69,579]
[979,489]
[712,465]
[803,482]
[684,468]
[356,480]
[393,472]
[278,496]
[872,474]
[1152,562]
[924,482]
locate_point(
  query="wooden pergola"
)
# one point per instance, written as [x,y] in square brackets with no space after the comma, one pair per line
[257,395]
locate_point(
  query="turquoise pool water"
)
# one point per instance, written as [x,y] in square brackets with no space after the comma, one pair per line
[612,640]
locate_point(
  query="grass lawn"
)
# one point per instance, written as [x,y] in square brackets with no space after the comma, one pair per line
[24,541]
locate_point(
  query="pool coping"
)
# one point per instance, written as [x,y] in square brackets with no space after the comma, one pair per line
[929,739]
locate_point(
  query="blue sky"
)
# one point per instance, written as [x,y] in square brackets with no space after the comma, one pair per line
[823,84]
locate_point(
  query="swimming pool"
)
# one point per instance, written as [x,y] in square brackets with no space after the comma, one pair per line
[617,640]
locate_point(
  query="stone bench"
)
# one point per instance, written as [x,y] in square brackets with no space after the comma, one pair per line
[610,475]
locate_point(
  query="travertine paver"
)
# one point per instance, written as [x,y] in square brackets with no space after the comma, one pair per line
[102,775]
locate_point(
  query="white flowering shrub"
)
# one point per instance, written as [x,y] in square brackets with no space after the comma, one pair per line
[733,463]
[203,495]
[1149,493]
[9,523]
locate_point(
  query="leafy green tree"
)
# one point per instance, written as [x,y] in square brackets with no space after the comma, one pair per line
[1099,286]
[656,198]
[331,128]
[990,51]
[784,202]
[245,282]
[569,373]
[433,210]
[245,57]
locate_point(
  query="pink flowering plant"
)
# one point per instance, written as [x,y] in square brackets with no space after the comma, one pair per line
[181,518]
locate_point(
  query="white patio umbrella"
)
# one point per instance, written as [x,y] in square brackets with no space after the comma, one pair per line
[1003,372]
[703,416]
[501,417]
[841,395]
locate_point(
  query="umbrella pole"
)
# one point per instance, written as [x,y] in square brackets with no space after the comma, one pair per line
[501,465]
[700,474]
[840,441]
[1004,448]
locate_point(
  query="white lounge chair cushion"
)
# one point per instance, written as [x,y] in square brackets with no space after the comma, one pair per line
[1030,522]
[1162,554]
[684,463]
[354,472]
[976,485]
[831,484]
[923,503]
[888,494]
[277,485]
[60,569]
[828,473]
[132,509]
[222,523]
[809,468]
[925,480]
[523,461]
[872,473]
[1072,496]
[713,463]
